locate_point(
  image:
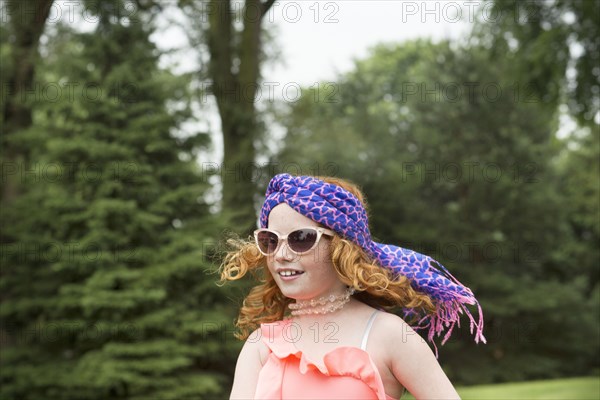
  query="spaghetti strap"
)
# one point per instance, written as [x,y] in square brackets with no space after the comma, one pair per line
[363,345]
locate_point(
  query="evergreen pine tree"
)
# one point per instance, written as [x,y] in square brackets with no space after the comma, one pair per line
[106,288]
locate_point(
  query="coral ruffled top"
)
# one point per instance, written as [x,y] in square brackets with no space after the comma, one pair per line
[346,373]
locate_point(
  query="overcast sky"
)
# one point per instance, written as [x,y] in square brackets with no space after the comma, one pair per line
[318,39]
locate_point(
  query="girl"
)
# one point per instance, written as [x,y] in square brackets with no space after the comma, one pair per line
[316,325]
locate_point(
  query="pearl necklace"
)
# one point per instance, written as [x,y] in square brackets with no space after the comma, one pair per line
[323,305]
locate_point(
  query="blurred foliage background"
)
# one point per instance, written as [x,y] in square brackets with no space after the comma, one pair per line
[111,225]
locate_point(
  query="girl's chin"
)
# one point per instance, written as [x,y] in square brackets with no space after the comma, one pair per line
[299,295]
[294,294]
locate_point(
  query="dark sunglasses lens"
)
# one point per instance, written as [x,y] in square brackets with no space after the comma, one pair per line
[267,241]
[302,240]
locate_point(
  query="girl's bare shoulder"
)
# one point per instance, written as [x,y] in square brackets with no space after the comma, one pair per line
[256,345]
[392,332]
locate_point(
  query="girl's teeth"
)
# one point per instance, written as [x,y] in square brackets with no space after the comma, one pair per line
[289,273]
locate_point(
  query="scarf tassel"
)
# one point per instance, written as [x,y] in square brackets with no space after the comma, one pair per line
[449,311]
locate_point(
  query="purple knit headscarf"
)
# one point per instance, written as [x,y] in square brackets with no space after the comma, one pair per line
[340,211]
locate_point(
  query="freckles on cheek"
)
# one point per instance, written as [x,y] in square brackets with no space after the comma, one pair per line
[321,255]
[269,266]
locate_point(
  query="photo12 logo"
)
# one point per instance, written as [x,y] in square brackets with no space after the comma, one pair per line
[53,332]
[254,171]
[469,172]
[63,90]
[289,92]
[292,12]
[67,11]
[435,11]
[89,253]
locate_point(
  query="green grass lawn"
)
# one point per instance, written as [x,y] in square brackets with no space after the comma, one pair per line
[563,389]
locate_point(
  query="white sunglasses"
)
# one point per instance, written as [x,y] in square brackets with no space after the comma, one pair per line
[299,241]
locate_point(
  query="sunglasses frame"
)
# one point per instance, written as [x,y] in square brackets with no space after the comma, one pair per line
[282,238]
